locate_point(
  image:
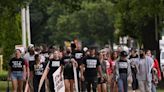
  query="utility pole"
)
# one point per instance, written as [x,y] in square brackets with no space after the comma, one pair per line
[23,12]
[28,24]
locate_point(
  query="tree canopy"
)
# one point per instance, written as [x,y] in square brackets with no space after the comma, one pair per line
[100,21]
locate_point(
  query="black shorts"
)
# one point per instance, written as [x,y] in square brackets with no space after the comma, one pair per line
[68,77]
[68,74]
[101,82]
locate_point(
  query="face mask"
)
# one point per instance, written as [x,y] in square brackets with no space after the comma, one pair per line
[68,52]
[141,55]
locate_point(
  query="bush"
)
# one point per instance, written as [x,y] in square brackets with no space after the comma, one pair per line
[3,75]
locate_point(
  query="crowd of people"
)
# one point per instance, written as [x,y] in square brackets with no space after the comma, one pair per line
[97,71]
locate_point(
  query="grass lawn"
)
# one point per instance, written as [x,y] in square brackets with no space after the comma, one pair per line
[3,86]
[160,90]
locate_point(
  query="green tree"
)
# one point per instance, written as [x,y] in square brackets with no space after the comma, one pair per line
[10,26]
[89,23]
[134,15]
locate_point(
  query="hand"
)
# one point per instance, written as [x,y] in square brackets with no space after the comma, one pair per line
[61,76]
[73,62]
[9,78]
[102,79]
[24,78]
[82,78]
[160,78]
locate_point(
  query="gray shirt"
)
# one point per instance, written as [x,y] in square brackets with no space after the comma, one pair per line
[144,67]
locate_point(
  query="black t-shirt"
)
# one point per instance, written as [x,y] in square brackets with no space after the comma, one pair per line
[91,64]
[16,64]
[68,67]
[78,56]
[31,60]
[53,66]
[136,56]
[38,69]
[123,66]
[46,55]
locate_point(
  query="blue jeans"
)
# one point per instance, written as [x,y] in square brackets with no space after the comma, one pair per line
[153,88]
[122,83]
[17,75]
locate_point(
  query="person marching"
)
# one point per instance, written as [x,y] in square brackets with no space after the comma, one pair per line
[30,58]
[54,64]
[156,73]
[38,69]
[89,69]
[79,54]
[112,72]
[133,59]
[102,86]
[144,75]
[17,71]
[67,62]
[123,71]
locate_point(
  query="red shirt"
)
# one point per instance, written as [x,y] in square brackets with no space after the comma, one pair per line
[111,67]
[156,66]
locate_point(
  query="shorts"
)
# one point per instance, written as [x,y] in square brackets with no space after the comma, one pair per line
[68,77]
[17,75]
[101,82]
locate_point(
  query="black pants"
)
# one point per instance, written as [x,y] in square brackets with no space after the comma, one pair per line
[51,84]
[36,81]
[135,81]
[91,81]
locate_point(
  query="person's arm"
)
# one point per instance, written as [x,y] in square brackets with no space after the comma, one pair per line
[116,71]
[129,68]
[82,71]
[100,71]
[24,72]
[98,66]
[61,70]
[137,65]
[27,69]
[74,62]
[46,69]
[129,72]
[62,66]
